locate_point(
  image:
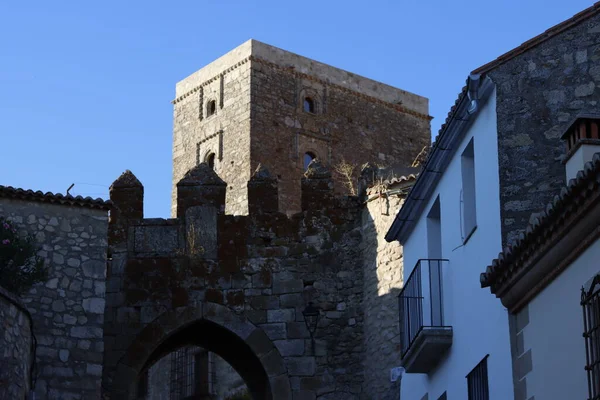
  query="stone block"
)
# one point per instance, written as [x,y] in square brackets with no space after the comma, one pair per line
[94,305]
[288,286]
[94,269]
[301,366]
[280,387]
[291,347]
[86,332]
[156,238]
[274,330]
[273,363]
[94,369]
[292,300]
[282,315]
[304,395]
[264,302]
[260,343]
[297,330]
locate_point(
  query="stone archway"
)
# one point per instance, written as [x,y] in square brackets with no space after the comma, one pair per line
[260,364]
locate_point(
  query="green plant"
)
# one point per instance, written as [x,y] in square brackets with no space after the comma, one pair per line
[20,266]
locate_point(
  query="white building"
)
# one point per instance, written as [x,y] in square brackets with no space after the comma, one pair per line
[550,282]
[495,162]
[451,330]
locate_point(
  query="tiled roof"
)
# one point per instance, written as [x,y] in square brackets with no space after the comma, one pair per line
[531,43]
[482,71]
[449,117]
[39,196]
[549,33]
[543,224]
[396,180]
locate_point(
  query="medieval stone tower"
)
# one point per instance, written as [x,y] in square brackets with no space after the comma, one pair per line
[259,104]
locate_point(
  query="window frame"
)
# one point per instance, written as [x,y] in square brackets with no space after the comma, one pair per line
[210,159]
[468,196]
[435,245]
[312,105]
[311,154]
[590,303]
[211,108]
[480,389]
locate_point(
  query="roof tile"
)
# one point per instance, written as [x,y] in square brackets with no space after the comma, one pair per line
[49,197]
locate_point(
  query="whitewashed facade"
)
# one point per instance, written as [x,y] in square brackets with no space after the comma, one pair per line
[550,282]
[460,224]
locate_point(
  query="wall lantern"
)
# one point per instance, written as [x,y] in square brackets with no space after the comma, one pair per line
[311,319]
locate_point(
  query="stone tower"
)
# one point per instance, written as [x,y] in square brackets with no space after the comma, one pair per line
[259,104]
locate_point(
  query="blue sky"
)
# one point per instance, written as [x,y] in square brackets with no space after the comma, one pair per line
[85,87]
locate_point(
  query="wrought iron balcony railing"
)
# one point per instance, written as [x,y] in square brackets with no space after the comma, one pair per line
[421,301]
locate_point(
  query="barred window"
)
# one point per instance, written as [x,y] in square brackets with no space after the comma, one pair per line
[590,301]
[192,373]
[477,381]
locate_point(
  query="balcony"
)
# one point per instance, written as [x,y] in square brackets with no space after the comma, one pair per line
[424,338]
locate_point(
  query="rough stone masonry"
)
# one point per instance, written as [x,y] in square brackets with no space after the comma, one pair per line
[169,280]
[249,107]
[68,310]
[16,345]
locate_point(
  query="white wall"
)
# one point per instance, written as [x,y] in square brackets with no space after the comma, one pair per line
[479,321]
[554,333]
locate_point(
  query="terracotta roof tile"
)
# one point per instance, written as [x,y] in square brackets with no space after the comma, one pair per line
[396,180]
[10,192]
[541,226]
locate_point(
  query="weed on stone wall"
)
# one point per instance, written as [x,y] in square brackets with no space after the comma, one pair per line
[20,266]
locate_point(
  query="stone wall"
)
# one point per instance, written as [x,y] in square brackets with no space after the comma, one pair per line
[225,133]
[16,347]
[383,280]
[259,92]
[68,309]
[346,126]
[538,93]
[180,281]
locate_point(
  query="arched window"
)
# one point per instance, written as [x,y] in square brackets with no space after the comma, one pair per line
[210,160]
[211,108]
[309,105]
[308,157]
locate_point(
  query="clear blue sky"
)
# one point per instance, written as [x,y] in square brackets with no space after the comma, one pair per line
[85,87]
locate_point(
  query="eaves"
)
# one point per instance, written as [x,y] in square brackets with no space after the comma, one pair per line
[444,148]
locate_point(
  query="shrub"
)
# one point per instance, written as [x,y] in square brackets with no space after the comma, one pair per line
[20,266]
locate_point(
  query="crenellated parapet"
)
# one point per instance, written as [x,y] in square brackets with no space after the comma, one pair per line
[200,210]
[317,187]
[263,193]
[200,186]
[127,197]
[263,267]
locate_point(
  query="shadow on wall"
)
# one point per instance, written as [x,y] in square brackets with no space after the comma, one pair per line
[383,281]
[186,363]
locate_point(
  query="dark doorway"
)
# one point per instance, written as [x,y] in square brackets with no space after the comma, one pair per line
[191,375]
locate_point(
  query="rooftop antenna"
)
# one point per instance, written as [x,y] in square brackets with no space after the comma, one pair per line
[70,187]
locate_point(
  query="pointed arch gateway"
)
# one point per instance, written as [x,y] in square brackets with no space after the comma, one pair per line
[216,328]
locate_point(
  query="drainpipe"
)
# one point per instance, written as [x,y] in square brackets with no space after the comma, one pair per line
[473,93]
